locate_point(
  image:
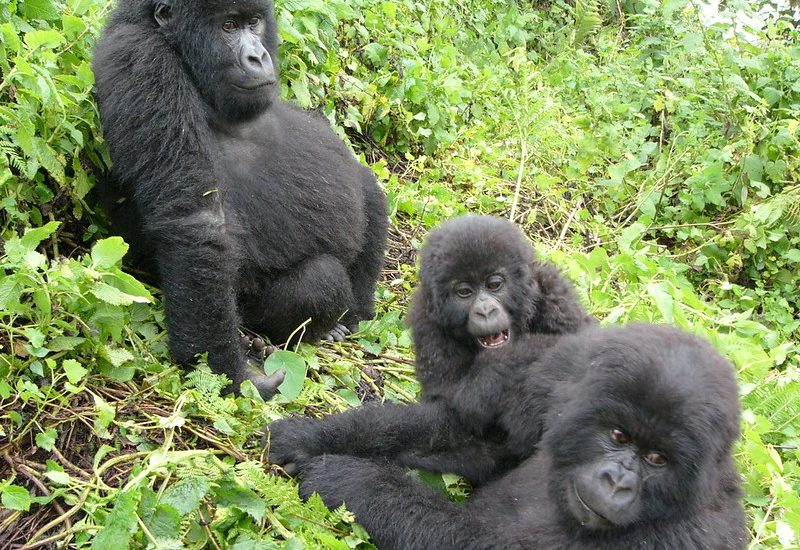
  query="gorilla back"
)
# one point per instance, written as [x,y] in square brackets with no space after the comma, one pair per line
[250,210]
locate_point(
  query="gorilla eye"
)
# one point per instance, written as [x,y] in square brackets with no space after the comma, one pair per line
[655,458]
[229,25]
[464,291]
[254,21]
[494,283]
[620,437]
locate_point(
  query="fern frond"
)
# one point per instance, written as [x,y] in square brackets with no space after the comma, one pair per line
[789,200]
[587,19]
[779,404]
[15,160]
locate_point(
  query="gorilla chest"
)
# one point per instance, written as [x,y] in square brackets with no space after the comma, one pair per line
[286,205]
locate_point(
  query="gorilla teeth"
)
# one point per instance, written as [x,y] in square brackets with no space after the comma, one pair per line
[495,340]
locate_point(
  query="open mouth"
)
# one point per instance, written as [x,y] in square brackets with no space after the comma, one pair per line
[494,340]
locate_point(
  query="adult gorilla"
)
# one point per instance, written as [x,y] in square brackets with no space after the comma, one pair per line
[636,453]
[251,211]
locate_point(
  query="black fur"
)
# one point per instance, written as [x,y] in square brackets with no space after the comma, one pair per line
[252,211]
[456,427]
[669,391]
[470,248]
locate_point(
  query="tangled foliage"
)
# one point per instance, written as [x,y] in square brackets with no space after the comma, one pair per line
[650,153]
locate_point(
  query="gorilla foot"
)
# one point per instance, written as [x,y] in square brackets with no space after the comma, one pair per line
[252,368]
[337,334]
[267,386]
[256,349]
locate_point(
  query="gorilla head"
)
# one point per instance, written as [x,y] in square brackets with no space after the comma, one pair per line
[231,51]
[640,438]
[475,278]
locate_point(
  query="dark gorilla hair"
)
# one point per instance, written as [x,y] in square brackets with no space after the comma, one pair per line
[481,291]
[448,330]
[250,211]
[639,424]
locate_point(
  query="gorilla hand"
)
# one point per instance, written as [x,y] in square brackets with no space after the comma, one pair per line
[291,441]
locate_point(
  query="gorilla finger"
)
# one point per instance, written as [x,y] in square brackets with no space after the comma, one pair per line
[258,344]
[291,468]
[267,386]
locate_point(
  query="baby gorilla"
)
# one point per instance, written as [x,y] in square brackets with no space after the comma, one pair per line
[639,423]
[481,289]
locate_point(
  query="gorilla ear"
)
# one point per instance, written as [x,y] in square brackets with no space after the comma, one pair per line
[162,13]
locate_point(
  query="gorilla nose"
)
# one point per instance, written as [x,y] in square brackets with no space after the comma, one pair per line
[620,485]
[257,63]
[486,310]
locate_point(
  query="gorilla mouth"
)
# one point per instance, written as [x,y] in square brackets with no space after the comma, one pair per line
[593,515]
[253,87]
[494,340]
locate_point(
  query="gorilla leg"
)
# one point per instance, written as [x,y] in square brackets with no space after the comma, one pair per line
[197,267]
[319,289]
[399,512]
[365,270]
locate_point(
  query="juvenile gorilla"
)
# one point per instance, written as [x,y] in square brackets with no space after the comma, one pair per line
[636,453]
[480,289]
[250,210]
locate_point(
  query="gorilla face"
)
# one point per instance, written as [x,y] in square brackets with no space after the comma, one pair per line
[632,441]
[227,50]
[476,272]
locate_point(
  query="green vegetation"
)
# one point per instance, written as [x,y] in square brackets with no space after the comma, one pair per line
[653,157]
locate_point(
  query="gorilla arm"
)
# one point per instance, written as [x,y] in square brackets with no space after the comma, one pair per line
[399,512]
[427,435]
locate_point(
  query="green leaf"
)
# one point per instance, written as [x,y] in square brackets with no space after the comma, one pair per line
[294,368]
[164,522]
[376,53]
[10,37]
[663,299]
[186,494]
[128,285]
[669,7]
[105,414]
[10,291]
[56,476]
[32,237]
[115,296]
[629,235]
[16,498]
[120,524]
[46,440]
[117,356]
[74,371]
[48,38]
[107,252]
[230,493]
[72,26]
[65,343]
[39,9]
